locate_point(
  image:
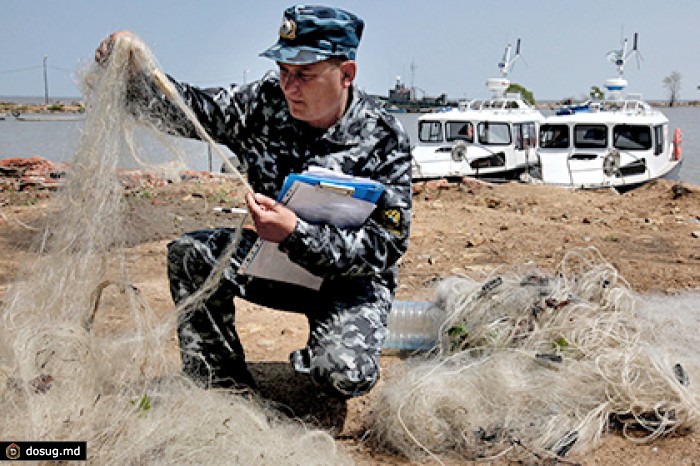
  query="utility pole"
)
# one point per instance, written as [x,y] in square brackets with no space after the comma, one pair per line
[413,75]
[46,82]
[245,75]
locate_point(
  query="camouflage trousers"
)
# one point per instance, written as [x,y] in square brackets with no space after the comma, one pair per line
[347,318]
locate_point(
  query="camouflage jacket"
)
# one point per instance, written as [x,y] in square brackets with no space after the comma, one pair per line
[254,122]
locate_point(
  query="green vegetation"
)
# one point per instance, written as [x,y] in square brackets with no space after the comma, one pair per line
[143,404]
[561,343]
[222,197]
[146,194]
[56,107]
[457,335]
[524,93]
[596,93]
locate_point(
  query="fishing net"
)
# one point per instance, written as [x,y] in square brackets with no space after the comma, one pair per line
[67,375]
[532,366]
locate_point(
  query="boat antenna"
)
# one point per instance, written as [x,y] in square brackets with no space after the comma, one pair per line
[619,58]
[507,62]
[635,50]
[499,86]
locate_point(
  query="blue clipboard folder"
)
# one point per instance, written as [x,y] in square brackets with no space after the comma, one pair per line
[318,196]
[359,188]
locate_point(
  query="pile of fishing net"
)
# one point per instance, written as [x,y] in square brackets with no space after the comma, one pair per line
[532,367]
[65,375]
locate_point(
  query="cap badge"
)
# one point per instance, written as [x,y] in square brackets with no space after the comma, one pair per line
[288,29]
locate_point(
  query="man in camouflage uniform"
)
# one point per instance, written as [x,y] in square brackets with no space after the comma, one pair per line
[309,115]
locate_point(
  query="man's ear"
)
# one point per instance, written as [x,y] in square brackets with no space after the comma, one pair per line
[349,70]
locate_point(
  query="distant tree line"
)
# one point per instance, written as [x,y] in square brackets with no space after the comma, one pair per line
[672,83]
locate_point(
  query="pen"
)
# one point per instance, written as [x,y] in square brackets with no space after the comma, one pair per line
[231,210]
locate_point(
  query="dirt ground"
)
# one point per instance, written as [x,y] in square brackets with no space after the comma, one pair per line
[651,235]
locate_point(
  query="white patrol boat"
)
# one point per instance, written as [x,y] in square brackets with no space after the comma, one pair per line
[619,142]
[492,139]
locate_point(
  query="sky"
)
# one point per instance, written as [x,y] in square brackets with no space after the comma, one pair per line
[438,46]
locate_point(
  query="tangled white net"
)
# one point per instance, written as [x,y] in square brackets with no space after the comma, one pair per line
[532,367]
[119,389]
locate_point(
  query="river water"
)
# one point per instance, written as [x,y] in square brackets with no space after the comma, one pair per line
[58,140]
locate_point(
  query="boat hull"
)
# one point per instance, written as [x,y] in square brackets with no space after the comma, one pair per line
[615,144]
[597,179]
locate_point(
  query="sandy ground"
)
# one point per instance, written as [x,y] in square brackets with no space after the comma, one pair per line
[651,235]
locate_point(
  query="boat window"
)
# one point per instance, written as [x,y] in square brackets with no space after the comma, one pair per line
[494,133]
[524,134]
[518,139]
[658,140]
[532,131]
[591,136]
[632,137]
[430,131]
[462,130]
[554,136]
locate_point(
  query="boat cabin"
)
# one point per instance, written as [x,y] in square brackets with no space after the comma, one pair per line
[601,148]
[481,143]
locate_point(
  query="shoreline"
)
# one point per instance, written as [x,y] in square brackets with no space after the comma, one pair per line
[57,107]
[76,106]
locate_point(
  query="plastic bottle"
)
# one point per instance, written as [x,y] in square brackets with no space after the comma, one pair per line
[412,325]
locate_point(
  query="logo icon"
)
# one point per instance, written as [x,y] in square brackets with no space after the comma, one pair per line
[392,222]
[12,451]
[288,29]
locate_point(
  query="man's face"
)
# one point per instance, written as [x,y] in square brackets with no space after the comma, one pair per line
[317,93]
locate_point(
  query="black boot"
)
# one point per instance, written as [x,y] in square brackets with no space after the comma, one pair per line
[234,375]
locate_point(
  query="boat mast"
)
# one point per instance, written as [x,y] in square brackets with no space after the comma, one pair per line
[619,58]
[499,86]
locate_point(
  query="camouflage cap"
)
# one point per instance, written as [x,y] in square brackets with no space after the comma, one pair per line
[311,33]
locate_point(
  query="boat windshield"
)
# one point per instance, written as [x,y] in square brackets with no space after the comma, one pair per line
[632,137]
[459,130]
[430,131]
[554,136]
[494,133]
[591,136]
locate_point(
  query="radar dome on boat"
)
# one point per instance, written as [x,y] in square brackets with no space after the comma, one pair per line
[615,84]
[497,85]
